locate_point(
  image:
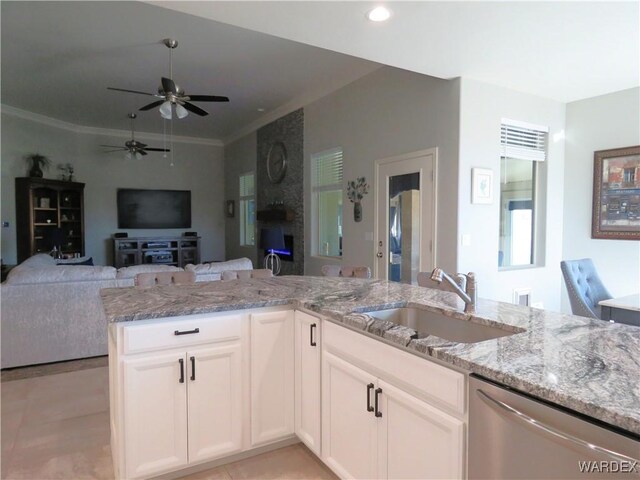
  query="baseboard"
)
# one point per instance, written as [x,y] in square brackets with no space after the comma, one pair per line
[230,459]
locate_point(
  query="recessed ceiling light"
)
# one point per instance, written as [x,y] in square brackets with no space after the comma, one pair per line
[379,14]
[261,109]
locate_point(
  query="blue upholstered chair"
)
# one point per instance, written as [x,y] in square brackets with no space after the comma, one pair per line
[584,286]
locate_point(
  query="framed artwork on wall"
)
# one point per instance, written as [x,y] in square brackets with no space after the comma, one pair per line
[616,194]
[481,186]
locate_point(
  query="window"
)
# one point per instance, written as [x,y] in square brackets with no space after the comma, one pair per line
[326,168]
[247,209]
[523,149]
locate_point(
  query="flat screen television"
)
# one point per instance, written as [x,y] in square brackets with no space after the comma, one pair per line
[154,208]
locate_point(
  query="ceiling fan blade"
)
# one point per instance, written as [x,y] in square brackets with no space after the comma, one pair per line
[157,149]
[118,150]
[152,105]
[131,91]
[207,98]
[114,146]
[168,85]
[141,151]
[197,110]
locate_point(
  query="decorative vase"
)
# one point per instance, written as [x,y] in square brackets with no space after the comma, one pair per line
[35,171]
[357,211]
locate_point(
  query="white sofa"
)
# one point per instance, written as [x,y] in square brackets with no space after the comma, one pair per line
[51,313]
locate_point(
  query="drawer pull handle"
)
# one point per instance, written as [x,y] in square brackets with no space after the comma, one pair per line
[378,392]
[181,361]
[186,332]
[369,388]
[193,368]
[312,341]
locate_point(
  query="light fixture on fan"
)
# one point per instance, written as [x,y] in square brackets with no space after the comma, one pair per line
[171,96]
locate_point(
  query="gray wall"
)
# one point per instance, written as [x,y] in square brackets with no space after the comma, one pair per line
[386,113]
[239,158]
[198,168]
[482,107]
[599,123]
[289,130]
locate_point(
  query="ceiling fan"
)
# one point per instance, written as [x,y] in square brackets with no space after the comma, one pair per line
[172,96]
[133,148]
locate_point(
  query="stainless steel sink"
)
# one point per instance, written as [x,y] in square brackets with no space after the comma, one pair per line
[427,323]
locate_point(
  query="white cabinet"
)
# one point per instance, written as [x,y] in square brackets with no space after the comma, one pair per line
[155,414]
[176,392]
[307,380]
[416,440]
[371,428]
[214,401]
[349,439]
[272,376]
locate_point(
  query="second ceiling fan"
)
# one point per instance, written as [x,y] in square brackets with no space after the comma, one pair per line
[171,96]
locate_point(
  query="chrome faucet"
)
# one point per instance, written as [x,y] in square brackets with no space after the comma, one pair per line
[465,286]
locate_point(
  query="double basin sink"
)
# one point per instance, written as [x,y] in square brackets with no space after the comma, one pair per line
[426,322]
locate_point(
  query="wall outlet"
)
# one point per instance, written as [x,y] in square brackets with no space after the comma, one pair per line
[522,296]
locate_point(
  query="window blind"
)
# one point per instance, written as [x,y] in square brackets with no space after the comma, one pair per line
[247,185]
[524,143]
[327,168]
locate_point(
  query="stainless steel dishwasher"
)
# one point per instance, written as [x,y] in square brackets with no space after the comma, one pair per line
[512,436]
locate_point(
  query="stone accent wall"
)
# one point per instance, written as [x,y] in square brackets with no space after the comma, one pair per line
[290,131]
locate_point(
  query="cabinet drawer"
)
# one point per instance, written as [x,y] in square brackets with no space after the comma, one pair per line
[440,386]
[180,331]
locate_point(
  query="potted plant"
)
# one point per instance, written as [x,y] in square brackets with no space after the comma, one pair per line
[36,163]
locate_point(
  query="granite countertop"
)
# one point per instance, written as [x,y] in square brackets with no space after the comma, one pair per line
[589,366]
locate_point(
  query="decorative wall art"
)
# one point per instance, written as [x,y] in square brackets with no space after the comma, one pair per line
[616,194]
[356,190]
[230,208]
[481,186]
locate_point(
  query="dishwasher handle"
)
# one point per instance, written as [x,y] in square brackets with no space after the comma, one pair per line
[526,419]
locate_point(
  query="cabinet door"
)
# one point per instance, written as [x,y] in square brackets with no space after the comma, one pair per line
[155,414]
[348,427]
[272,377]
[215,401]
[307,381]
[416,440]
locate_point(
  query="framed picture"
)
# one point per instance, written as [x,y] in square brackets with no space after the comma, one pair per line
[481,186]
[616,194]
[230,208]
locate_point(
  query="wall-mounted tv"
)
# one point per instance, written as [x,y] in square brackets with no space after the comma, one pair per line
[154,208]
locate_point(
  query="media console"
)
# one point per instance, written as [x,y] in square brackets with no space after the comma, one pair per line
[176,251]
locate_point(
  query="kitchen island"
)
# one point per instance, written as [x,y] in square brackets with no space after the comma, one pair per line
[587,366]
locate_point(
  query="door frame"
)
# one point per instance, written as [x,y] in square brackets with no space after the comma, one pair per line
[433,152]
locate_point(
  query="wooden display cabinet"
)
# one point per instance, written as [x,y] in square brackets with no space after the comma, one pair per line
[43,205]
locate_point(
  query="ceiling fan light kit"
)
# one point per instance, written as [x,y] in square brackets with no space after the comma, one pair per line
[170,94]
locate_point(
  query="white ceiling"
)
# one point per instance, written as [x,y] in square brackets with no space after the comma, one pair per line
[561,50]
[59,57]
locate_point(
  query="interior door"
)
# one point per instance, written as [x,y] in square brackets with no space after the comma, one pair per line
[405,216]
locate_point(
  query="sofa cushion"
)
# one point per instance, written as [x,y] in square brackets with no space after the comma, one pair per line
[218,267]
[131,272]
[60,273]
[76,261]
[39,260]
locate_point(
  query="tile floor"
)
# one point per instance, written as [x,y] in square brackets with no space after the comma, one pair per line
[57,427]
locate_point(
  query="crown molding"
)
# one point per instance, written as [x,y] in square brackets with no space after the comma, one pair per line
[72,127]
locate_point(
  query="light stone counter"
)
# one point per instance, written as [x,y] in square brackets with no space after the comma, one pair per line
[589,366]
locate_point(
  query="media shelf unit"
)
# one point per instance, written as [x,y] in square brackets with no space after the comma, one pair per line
[175,251]
[44,205]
